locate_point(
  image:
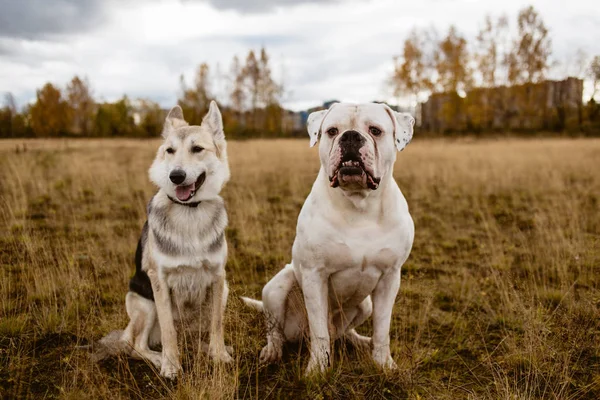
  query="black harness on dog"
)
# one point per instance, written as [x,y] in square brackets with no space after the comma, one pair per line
[192,204]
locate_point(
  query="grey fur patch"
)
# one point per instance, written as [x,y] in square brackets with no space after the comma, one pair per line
[184,132]
[217,243]
[159,214]
[144,236]
[149,206]
[213,226]
[218,222]
[165,245]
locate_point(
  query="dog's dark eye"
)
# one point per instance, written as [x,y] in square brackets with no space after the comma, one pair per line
[170,150]
[374,131]
[332,131]
[197,149]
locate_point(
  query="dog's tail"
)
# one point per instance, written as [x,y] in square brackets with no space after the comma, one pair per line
[256,304]
[110,345]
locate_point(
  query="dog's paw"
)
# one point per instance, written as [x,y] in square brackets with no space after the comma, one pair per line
[317,365]
[270,354]
[169,369]
[221,355]
[385,361]
[155,359]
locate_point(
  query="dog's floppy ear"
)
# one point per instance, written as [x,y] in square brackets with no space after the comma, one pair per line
[403,127]
[214,121]
[314,123]
[174,120]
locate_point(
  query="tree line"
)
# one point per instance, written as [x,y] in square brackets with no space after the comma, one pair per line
[253,107]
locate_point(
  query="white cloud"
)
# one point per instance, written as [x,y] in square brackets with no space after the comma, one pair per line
[337,49]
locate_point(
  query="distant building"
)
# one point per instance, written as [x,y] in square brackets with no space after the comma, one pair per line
[548,105]
[324,106]
[292,121]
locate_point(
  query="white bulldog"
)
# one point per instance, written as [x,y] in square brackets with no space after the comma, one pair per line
[353,235]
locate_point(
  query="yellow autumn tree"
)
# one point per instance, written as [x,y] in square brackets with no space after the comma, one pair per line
[411,75]
[530,57]
[454,76]
[50,115]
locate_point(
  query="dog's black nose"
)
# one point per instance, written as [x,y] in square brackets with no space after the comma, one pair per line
[177,176]
[350,136]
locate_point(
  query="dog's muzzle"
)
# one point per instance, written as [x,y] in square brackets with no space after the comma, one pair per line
[351,170]
[185,192]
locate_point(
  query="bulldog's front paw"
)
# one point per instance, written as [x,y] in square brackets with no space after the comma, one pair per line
[317,365]
[384,360]
[169,369]
[220,355]
[155,358]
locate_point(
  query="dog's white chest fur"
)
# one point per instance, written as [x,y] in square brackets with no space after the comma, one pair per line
[188,286]
[353,256]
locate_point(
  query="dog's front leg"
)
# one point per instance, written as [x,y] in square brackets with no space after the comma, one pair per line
[315,290]
[170,364]
[216,347]
[383,302]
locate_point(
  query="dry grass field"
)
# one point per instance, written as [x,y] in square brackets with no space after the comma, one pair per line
[499,299]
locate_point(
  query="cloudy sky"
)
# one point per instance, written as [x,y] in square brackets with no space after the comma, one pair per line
[323,49]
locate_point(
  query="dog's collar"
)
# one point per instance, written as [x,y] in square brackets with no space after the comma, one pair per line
[192,204]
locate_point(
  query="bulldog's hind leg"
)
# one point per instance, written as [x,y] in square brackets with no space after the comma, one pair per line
[346,320]
[274,297]
[142,329]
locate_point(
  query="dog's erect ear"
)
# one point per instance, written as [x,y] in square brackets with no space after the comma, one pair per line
[403,127]
[174,120]
[314,124]
[214,121]
[175,113]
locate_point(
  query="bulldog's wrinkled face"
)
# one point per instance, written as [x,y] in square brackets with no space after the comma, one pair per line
[191,164]
[359,142]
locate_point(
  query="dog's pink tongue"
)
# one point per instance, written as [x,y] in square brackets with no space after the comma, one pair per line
[183,193]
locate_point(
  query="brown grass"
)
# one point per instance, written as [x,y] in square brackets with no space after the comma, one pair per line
[499,297]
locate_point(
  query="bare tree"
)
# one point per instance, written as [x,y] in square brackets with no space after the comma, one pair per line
[261,88]
[195,100]
[237,95]
[594,73]
[82,106]
[252,77]
[284,93]
[489,54]
[269,90]
[10,103]
[580,63]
